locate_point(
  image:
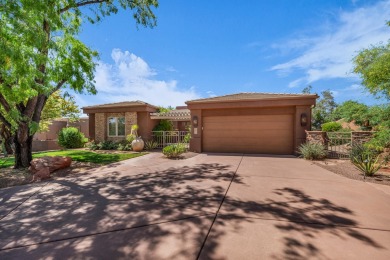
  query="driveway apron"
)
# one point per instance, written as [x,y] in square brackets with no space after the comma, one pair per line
[211,206]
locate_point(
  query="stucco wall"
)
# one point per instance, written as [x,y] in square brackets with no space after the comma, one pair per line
[300,131]
[146,125]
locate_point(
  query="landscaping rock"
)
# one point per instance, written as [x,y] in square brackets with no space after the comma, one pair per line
[41,168]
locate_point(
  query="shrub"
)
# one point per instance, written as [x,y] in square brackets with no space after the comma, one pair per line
[71,137]
[187,137]
[108,145]
[92,146]
[380,140]
[123,145]
[365,159]
[130,138]
[174,150]
[150,145]
[331,127]
[312,151]
[164,125]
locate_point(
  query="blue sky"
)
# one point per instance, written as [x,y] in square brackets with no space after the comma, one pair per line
[206,48]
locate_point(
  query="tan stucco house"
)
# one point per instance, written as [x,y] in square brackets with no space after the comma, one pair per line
[113,121]
[264,123]
[261,123]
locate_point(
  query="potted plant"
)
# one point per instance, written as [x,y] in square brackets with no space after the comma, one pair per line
[137,144]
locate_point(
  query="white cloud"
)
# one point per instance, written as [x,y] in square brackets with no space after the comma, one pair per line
[171,69]
[329,54]
[211,93]
[131,78]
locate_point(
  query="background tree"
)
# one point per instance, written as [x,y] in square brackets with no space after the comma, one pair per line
[307,90]
[324,108]
[373,65]
[58,105]
[351,110]
[41,54]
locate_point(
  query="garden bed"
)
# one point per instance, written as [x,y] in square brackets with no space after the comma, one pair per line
[82,161]
[347,169]
[183,156]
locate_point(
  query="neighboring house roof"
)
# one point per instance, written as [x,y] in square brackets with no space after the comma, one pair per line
[121,104]
[251,96]
[173,115]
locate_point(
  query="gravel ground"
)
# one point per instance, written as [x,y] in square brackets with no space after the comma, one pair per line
[347,169]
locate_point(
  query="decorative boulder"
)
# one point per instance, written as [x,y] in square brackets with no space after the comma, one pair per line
[137,144]
[41,168]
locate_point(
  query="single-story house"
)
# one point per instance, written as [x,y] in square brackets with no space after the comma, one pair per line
[239,123]
[113,121]
[261,123]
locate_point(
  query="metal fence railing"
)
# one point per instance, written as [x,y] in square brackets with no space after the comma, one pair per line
[164,138]
[339,144]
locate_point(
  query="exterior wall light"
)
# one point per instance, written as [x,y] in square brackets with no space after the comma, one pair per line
[303,119]
[195,121]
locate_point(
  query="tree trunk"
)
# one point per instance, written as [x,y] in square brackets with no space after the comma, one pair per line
[5,134]
[8,146]
[23,146]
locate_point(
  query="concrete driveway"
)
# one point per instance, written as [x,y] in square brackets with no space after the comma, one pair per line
[211,206]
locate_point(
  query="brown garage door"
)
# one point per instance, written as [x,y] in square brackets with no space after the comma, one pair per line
[266,134]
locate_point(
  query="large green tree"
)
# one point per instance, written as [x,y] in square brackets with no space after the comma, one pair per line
[40,54]
[58,105]
[373,65]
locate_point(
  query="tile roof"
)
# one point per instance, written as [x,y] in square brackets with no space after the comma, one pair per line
[177,114]
[250,96]
[120,104]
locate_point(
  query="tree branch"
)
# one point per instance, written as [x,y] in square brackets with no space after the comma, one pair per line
[41,101]
[79,4]
[30,107]
[5,121]
[59,85]
[4,103]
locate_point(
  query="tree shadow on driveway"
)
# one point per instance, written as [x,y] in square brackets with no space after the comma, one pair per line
[164,214]
[134,215]
[291,226]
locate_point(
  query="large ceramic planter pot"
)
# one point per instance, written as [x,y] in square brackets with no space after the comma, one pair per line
[138,144]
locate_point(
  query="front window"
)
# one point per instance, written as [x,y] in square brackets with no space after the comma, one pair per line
[116,126]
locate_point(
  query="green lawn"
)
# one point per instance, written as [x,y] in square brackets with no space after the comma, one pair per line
[80,156]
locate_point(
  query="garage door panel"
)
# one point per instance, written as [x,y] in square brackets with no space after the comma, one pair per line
[239,137]
[237,132]
[247,142]
[271,134]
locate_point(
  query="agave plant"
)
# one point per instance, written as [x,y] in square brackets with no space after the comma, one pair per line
[366,161]
[150,145]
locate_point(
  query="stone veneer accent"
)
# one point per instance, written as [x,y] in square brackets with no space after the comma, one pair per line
[321,137]
[100,127]
[317,137]
[130,120]
[101,133]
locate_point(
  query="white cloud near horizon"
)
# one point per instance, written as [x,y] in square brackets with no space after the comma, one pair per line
[129,78]
[329,54]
